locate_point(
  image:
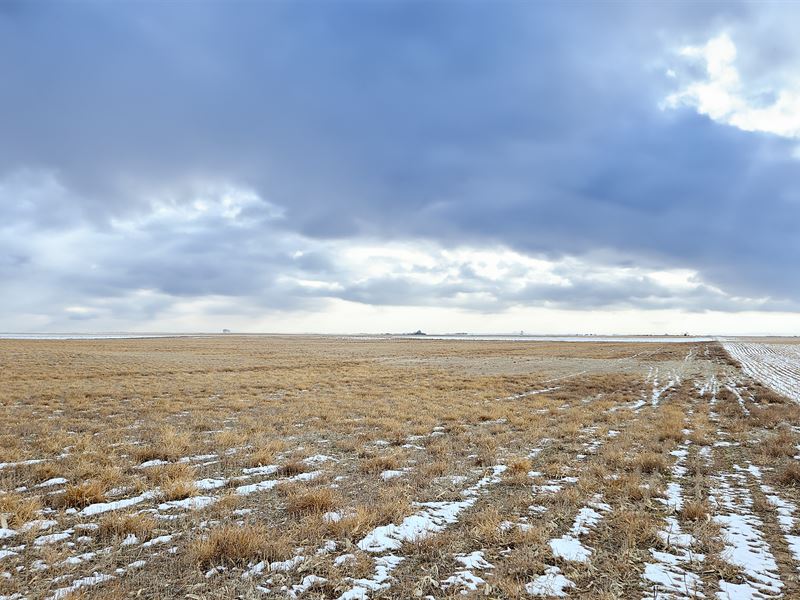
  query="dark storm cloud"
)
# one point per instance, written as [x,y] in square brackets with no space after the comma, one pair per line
[535,126]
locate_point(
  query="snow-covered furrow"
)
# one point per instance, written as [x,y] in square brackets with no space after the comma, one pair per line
[433,518]
[102,507]
[775,365]
[436,516]
[531,393]
[161,511]
[709,386]
[673,378]
[33,461]
[384,565]
[569,546]
[552,583]
[245,490]
[786,520]
[195,502]
[465,579]
[733,389]
[157,462]
[97,578]
[672,573]
[309,581]
[745,544]
[78,584]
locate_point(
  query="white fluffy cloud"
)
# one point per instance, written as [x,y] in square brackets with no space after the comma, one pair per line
[725,97]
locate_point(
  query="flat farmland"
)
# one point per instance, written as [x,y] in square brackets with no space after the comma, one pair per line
[344,468]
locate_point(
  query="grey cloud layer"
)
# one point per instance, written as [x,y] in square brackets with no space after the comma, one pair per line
[534,126]
[249,262]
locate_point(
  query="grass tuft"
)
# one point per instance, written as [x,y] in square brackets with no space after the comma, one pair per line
[237,546]
[83,494]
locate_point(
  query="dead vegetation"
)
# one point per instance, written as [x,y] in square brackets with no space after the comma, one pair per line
[228,453]
[118,525]
[81,495]
[310,501]
[232,546]
[19,510]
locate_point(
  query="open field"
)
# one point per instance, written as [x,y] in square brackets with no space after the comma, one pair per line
[382,468]
[776,365]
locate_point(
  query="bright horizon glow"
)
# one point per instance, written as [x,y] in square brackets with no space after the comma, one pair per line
[399,320]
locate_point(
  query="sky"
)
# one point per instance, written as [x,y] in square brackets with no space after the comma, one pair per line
[355,166]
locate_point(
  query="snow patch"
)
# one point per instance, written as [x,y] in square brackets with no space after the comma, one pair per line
[552,584]
[434,517]
[80,583]
[745,544]
[102,507]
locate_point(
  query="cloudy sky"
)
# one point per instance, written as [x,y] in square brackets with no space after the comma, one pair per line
[355,166]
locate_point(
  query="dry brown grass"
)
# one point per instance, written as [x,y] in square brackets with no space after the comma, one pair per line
[389,507]
[121,525]
[43,471]
[265,453]
[771,414]
[651,462]
[695,510]
[178,489]
[671,424]
[633,529]
[237,546]
[429,407]
[230,438]
[790,475]
[627,488]
[20,510]
[310,501]
[167,443]
[517,472]
[82,494]
[486,457]
[293,467]
[432,469]
[779,445]
[164,474]
[377,464]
